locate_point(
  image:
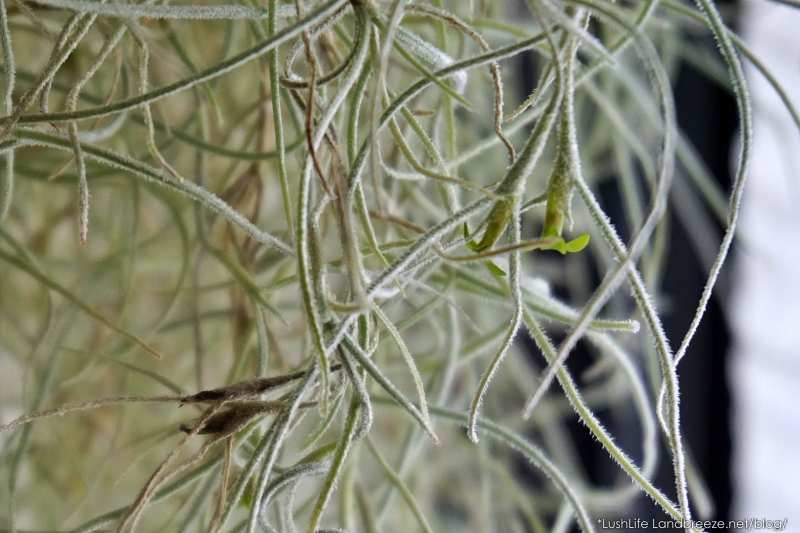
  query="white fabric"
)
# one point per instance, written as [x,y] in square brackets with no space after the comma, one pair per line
[765,308]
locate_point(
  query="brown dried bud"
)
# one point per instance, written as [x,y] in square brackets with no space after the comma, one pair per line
[245,389]
[232,418]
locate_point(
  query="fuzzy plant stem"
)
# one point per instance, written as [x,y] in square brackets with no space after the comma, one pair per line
[150,97]
[516,319]
[9,77]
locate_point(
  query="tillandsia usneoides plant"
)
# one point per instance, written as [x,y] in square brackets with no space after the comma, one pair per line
[271,266]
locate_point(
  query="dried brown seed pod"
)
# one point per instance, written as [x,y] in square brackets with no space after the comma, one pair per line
[232,417]
[236,415]
[244,389]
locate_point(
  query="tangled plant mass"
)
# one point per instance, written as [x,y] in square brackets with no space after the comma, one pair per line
[315,235]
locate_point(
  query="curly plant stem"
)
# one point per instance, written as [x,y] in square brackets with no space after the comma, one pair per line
[337,464]
[743,158]
[9,78]
[566,167]
[516,319]
[745,117]
[640,293]
[513,183]
[587,417]
[416,377]
[420,246]
[361,392]
[644,406]
[371,133]
[357,168]
[319,14]
[372,369]
[732,38]
[560,184]
[83,25]
[72,104]
[289,479]
[529,450]
[294,81]
[182,12]
[413,441]
[494,68]
[381,61]
[85,406]
[142,170]
[512,186]
[310,296]
[277,116]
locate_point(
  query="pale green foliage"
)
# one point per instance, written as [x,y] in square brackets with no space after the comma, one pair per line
[358,262]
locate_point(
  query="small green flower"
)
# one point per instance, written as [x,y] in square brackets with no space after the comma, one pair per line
[569,247]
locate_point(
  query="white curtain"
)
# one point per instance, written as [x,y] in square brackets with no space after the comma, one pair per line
[765,308]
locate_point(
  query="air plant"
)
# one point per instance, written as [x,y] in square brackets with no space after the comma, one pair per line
[378,215]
